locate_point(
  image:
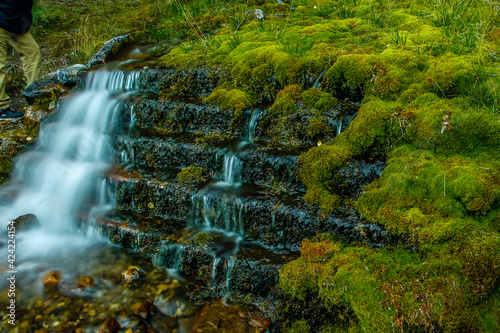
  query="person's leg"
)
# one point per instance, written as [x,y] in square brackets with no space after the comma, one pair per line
[4,98]
[30,55]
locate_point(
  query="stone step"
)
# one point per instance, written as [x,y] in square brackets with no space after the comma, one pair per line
[274,220]
[271,167]
[186,116]
[198,253]
[195,82]
[152,194]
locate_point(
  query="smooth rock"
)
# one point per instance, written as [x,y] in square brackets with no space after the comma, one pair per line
[110,325]
[86,281]
[51,279]
[131,274]
[26,222]
[219,318]
[146,310]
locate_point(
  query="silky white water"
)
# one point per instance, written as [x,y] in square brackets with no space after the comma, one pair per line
[61,179]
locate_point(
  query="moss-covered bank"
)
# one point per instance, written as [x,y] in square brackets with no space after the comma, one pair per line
[427,88]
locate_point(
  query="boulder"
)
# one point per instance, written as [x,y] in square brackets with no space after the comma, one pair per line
[70,76]
[44,89]
[109,49]
[26,222]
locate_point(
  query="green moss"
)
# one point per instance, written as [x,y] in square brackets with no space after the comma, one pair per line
[450,76]
[203,239]
[318,100]
[230,98]
[300,326]
[286,101]
[349,75]
[317,127]
[190,174]
[299,278]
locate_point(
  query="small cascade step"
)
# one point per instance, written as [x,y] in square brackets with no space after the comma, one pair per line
[179,116]
[272,167]
[138,232]
[255,270]
[277,221]
[195,82]
[153,194]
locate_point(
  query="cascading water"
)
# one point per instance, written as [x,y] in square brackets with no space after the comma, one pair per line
[218,209]
[61,180]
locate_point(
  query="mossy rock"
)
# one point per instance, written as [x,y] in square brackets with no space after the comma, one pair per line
[348,77]
[230,98]
[191,174]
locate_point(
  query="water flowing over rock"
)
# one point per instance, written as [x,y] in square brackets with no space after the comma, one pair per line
[26,222]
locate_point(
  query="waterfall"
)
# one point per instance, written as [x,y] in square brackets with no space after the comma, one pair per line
[316,83]
[232,169]
[62,177]
[252,125]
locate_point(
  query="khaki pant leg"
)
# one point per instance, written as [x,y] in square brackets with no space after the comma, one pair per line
[30,55]
[4,39]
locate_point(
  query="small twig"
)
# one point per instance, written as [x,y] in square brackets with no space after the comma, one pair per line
[486,233]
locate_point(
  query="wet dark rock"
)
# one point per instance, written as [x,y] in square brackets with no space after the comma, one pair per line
[180,117]
[197,261]
[275,221]
[110,325]
[145,236]
[145,310]
[26,222]
[45,89]
[349,180]
[256,273]
[262,166]
[109,48]
[154,198]
[219,318]
[70,76]
[195,82]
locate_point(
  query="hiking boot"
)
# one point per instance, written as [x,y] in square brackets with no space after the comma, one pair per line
[9,114]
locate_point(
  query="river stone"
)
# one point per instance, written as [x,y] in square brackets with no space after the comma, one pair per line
[86,281]
[110,325]
[70,75]
[51,279]
[219,318]
[45,88]
[26,222]
[131,274]
[109,49]
[146,310]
